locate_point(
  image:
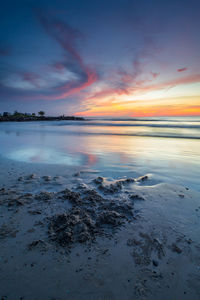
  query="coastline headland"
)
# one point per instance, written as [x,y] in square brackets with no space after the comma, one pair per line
[24,117]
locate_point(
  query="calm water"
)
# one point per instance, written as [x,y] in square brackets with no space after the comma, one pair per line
[168,148]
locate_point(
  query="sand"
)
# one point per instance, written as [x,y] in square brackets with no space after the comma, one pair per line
[72,234]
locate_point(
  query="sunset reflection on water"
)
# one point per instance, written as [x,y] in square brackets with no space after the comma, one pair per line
[111,154]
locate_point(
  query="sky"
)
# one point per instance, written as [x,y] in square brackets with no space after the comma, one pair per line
[116,58]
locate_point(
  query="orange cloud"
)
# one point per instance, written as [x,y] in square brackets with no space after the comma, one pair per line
[159,107]
[143,86]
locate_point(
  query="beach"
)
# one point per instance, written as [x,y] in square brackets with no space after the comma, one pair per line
[100,209]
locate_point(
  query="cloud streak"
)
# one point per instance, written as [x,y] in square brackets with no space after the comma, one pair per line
[111,102]
[125,82]
[66,37]
[59,80]
[129,56]
[182,69]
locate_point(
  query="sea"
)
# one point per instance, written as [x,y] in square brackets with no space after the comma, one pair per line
[165,148]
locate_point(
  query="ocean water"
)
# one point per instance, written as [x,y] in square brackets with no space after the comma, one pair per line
[166,148]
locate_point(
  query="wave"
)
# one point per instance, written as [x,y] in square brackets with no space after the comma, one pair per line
[87,133]
[99,124]
[184,128]
[149,119]
[156,135]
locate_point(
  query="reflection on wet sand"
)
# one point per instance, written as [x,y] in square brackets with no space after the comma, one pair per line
[52,143]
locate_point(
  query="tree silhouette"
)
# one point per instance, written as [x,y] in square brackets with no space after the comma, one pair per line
[41,113]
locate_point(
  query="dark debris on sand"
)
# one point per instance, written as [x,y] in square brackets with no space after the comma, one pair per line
[91,215]
[85,212]
[7,231]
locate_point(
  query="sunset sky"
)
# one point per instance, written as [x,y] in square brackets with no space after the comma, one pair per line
[100,58]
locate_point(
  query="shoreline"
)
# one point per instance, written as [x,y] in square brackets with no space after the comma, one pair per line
[31,118]
[89,237]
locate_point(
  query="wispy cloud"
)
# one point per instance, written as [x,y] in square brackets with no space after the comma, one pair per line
[182,69]
[58,80]
[66,37]
[128,80]
[111,102]
[154,74]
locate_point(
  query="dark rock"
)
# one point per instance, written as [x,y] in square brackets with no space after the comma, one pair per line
[39,244]
[143,178]
[129,180]
[155,263]
[136,197]
[181,195]
[30,177]
[44,196]
[34,212]
[98,180]
[46,178]
[56,177]
[21,178]
[176,249]
[189,241]
[77,174]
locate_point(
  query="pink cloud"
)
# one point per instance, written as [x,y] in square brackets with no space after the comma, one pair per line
[66,36]
[141,86]
[182,69]
[61,79]
[154,74]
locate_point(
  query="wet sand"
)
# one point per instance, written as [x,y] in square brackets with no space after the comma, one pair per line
[72,234]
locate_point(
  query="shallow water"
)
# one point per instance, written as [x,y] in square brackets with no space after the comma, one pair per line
[169,149]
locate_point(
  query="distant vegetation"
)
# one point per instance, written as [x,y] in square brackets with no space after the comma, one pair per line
[21,117]
[41,113]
